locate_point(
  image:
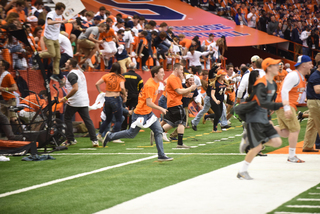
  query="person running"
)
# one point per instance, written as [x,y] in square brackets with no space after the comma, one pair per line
[218,87]
[176,117]
[259,128]
[113,102]
[143,114]
[292,88]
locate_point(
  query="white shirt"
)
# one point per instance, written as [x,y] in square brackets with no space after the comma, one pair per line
[52,31]
[288,70]
[194,60]
[215,48]
[245,83]
[65,45]
[304,35]
[252,22]
[81,97]
[116,29]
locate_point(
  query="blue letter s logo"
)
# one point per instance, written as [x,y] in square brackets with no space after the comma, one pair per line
[161,12]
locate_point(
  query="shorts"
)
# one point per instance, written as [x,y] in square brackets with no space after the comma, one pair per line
[175,116]
[5,110]
[260,133]
[292,124]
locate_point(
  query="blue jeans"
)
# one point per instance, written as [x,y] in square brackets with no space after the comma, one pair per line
[162,102]
[206,107]
[113,107]
[109,127]
[305,51]
[132,132]
[163,47]
[223,118]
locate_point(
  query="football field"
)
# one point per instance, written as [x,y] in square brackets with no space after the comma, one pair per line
[126,178]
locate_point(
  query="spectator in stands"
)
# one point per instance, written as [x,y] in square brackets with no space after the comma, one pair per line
[96,20]
[89,16]
[272,25]
[122,55]
[19,8]
[119,25]
[304,36]
[51,38]
[263,20]
[296,33]
[89,44]
[252,18]
[109,44]
[102,13]
[239,18]
[37,8]
[313,42]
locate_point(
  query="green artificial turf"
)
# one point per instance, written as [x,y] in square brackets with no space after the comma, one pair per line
[294,201]
[105,189]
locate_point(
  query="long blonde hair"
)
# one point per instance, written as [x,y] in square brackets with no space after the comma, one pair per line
[214,80]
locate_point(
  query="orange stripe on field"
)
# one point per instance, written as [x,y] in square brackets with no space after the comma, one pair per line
[285,150]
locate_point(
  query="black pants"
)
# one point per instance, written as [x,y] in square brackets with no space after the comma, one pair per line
[217,112]
[131,103]
[84,114]
[145,53]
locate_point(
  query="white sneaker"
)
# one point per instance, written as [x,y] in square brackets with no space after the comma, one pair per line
[90,63]
[95,143]
[164,137]
[118,141]
[99,137]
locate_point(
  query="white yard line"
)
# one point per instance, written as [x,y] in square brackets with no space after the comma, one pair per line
[293,213]
[75,176]
[308,199]
[146,154]
[303,206]
[314,193]
[275,182]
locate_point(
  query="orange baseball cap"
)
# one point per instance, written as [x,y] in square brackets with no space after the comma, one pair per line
[221,72]
[269,61]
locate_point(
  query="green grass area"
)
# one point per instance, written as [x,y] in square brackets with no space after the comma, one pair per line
[105,189]
[305,195]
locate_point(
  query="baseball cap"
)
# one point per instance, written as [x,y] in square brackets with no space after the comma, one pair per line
[119,20]
[269,61]
[221,72]
[302,59]
[32,19]
[97,18]
[189,76]
[47,8]
[254,58]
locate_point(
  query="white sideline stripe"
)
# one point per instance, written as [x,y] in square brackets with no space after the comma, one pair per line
[212,192]
[149,154]
[313,193]
[302,206]
[318,187]
[308,199]
[293,213]
[75,176]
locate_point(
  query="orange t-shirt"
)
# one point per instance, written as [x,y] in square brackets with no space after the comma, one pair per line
[107,35]
[112,81]
[295,93]
[22,15]
[279,79]
[7,82]
[173,98]
[186,43]
[33,98]
[149,90]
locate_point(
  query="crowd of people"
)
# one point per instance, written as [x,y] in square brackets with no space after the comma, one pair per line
[265,85]
[293,20]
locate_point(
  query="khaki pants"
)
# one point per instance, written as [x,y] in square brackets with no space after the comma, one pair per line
[5,110]
[124,64]
[53,47]
[86,46]
[313,125]
[174,134]
[292,124]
